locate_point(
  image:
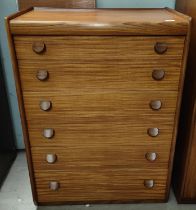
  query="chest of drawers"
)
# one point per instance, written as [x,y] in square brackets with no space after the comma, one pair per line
[99,94]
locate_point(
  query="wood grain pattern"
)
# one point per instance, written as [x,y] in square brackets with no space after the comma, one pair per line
[96,106]
[110,58]
[83,155]
[120,184]
[96,49]
[23,4]
[136,75]
[105,133]
[101,22]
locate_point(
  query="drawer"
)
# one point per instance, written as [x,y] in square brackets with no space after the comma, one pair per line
[136,75]
[98,49]
[101,184]
[80,107]
[103,133]
[81,155]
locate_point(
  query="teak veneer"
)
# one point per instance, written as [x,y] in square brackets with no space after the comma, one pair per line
[99,94]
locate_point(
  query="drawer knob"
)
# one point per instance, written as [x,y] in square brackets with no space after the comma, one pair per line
[54,186]
[51,158]
[153,132]
[158,74]
[151,156]
[48,133]
[45,105]
[42,75]
[155,105]
[149,183]
[39,47]
[160,47]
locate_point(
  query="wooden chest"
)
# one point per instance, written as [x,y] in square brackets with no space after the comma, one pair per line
[99,93]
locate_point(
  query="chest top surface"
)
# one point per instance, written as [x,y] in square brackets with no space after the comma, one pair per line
[47,21]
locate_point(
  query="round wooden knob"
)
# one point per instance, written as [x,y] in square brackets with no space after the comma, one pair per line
[153,132]
[45,105]
[151,156]
[51,158]
[39,47]
[42,75]
[149,183]
[160,47]
[156,105]
[48,133]
[54,185]
[158,74]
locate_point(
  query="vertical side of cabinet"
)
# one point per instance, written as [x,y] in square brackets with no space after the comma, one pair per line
[179,101]
[20,99]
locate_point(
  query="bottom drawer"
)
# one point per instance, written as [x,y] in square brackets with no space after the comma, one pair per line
[101,185]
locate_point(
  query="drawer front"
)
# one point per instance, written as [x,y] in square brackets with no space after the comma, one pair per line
[100,133]
[82,107]
[120,154]
[97,49]
[101,184]
[136,75]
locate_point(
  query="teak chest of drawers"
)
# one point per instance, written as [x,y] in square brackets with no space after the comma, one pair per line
[99,94]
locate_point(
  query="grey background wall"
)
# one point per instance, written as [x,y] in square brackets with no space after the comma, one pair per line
[9,6]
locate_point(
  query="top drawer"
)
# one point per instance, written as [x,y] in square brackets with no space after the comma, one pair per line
[98,49]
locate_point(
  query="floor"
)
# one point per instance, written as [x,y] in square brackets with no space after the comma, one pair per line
[15,194]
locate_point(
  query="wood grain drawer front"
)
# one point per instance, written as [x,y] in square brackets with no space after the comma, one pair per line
[98,49]
[88,156]
[136,75]
[101,184]
[77,107]
[97,134]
